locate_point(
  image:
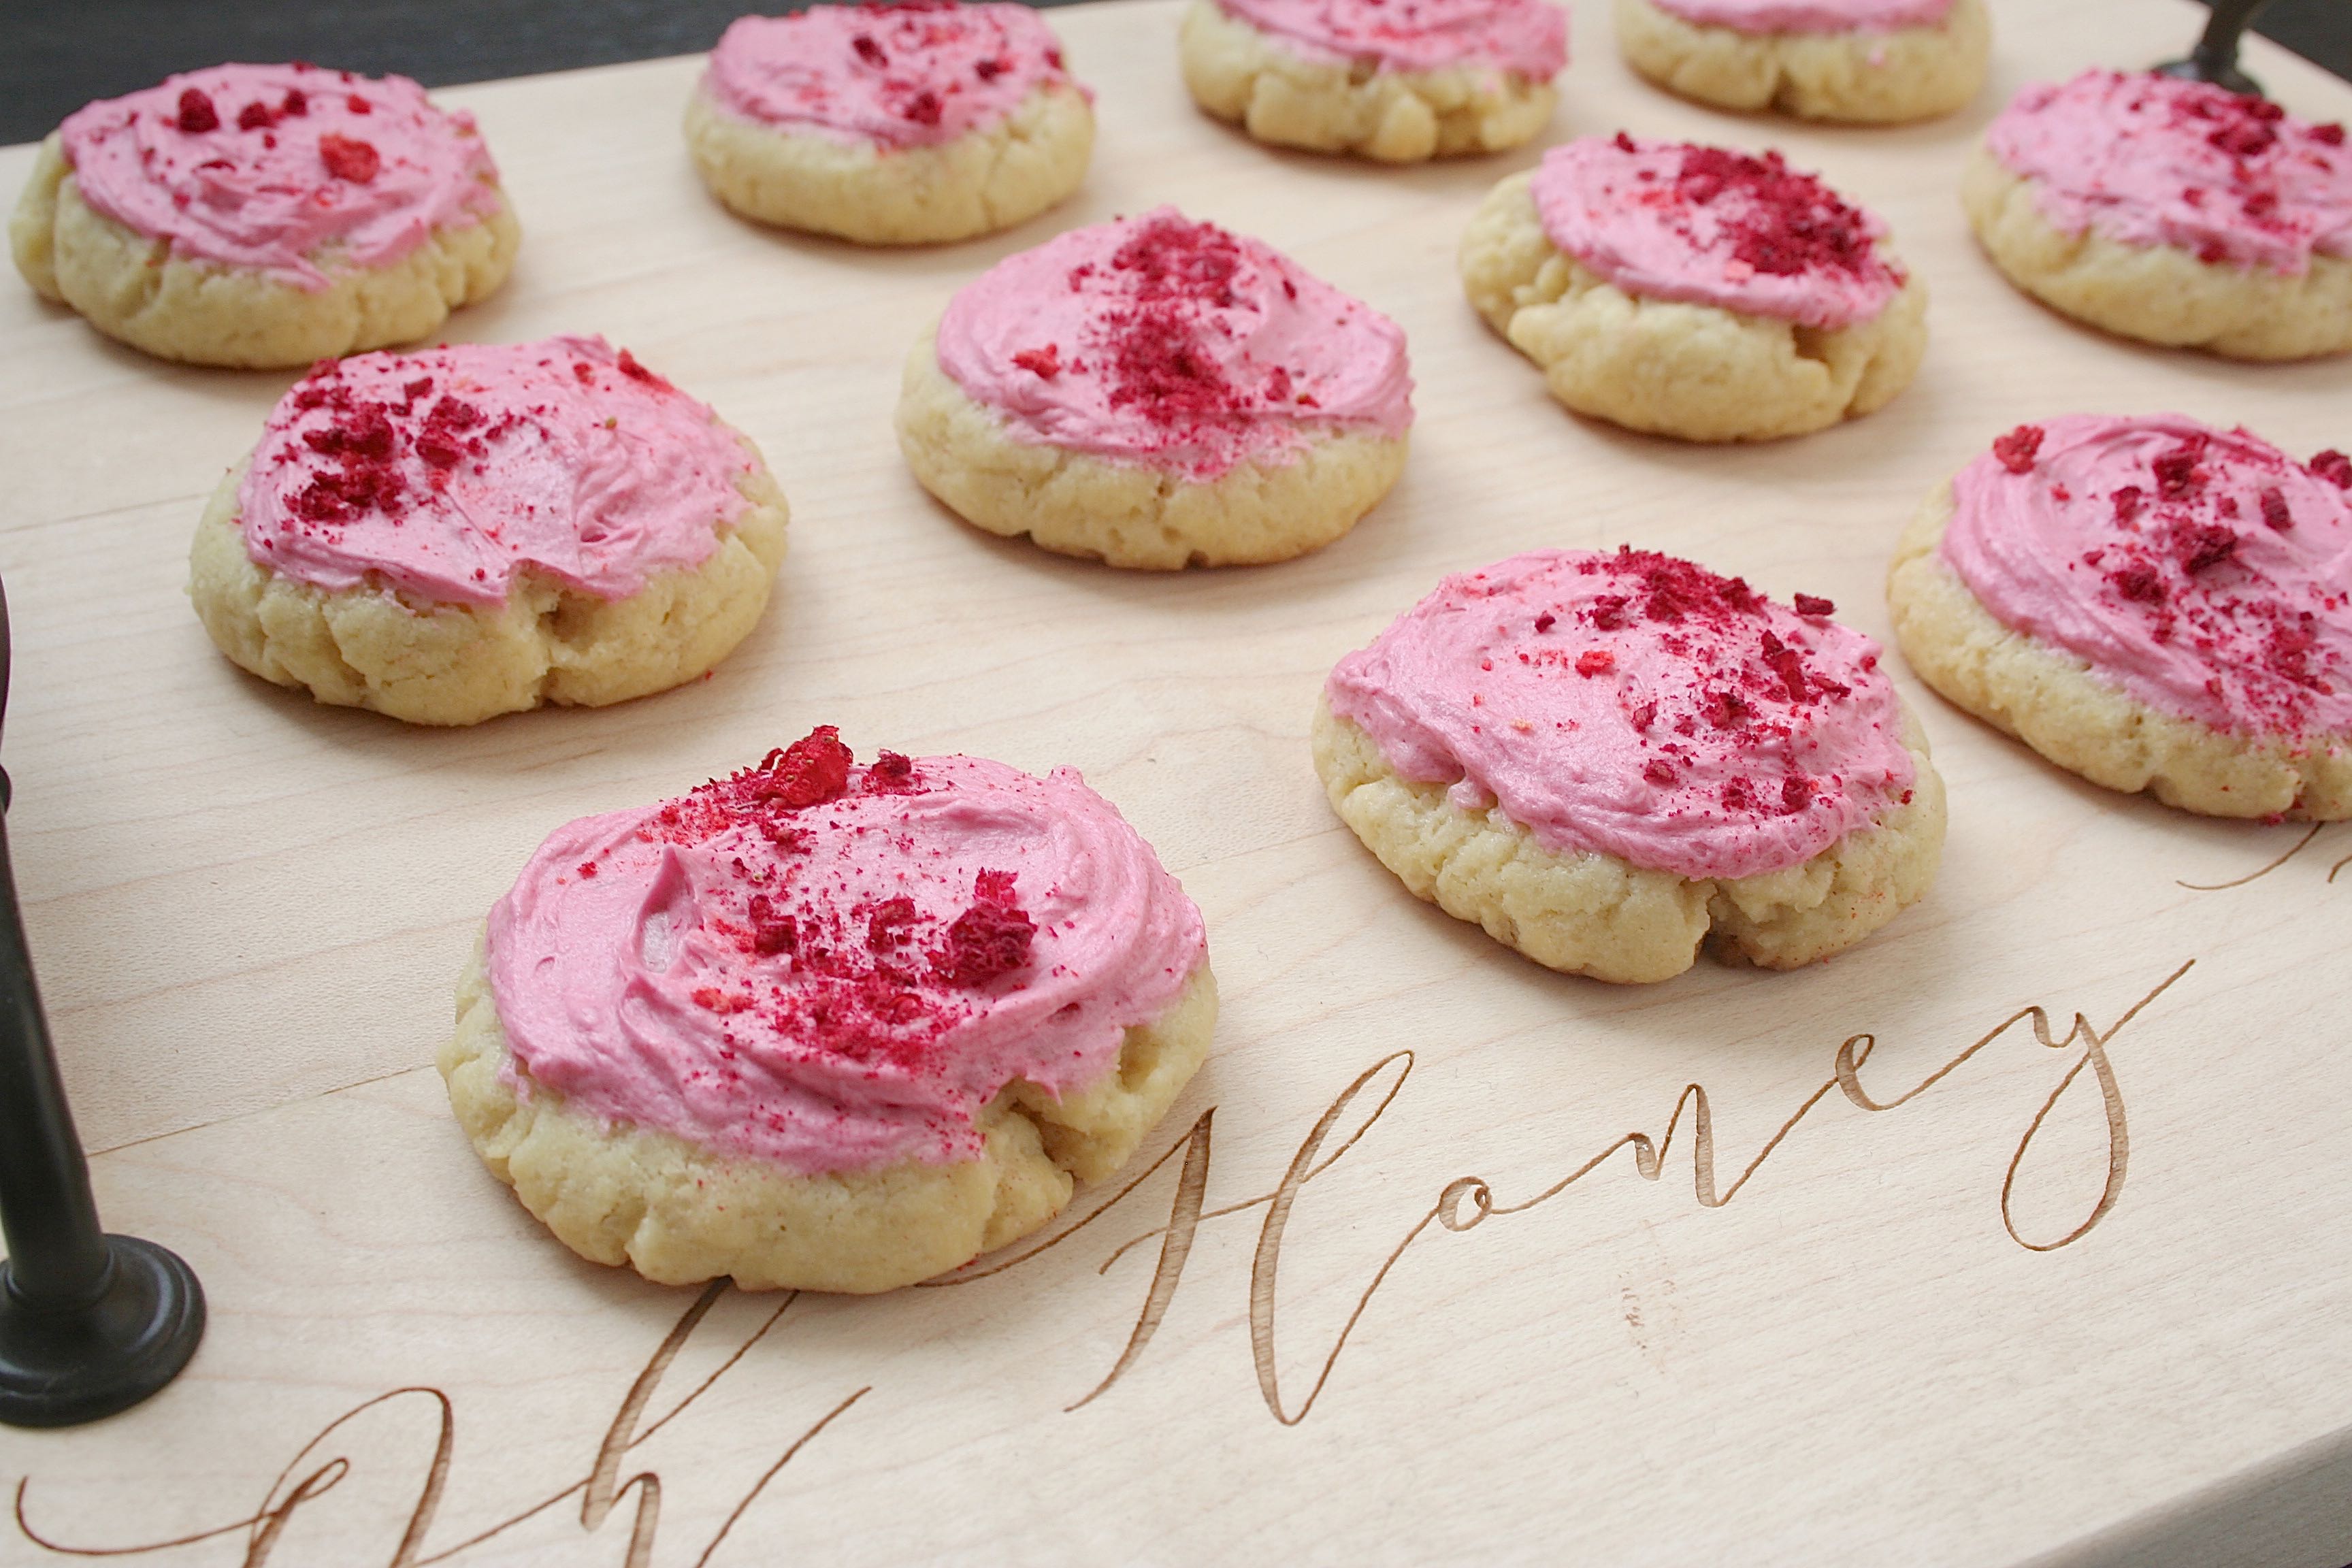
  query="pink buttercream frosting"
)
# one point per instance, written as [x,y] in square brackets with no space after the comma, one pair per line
[442,474]
[1759,16]
[2204,572]
[289,170]
[1704,226]
[836,967]
[902,76]
[1527,38]
[2149,160]
[1162,340]
[1639,706]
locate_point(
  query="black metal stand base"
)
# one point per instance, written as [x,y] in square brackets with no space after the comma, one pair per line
[60,1368]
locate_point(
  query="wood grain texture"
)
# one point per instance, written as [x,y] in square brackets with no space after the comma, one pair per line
[1866,1348]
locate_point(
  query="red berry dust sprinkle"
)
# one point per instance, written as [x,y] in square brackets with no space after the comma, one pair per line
[1779,221]
[876,979]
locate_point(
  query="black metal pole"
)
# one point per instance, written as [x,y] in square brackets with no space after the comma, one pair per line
[2215,58]
[89,1323]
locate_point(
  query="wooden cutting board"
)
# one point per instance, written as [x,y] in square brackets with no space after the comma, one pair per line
[2020,1234]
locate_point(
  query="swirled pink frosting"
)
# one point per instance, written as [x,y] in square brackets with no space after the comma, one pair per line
[289,170]
[2147,160]
[442,474]
[1157,340]
[833,966]
[1758,16]
[1527,38]
[910,75]
[1639,706]
[1705,225]
[2204,572]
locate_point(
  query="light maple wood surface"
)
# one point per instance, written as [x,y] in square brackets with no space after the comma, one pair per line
[248,912]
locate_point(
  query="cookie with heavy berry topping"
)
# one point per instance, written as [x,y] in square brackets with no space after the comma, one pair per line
[1395,80]
[909,123]
[264,215]
[1157,393]
[1858,62]
[483,528]
[828,1026]
[2174,212]
[1606,760]
[2149,602]
[1695,291]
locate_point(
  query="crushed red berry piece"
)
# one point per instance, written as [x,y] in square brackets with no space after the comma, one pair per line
[1814,606]
[2138,580]
[2333,466]
[2176,471]
[1595,661]
[1045,364]
[348,158]
[1785,662]
[256,116]
[813,769]
[2243,140]
[296,102]
[1736,795]
[357,104]
[1782,221]
[1661,772]
[771,933]
[196,112]
[1726,710]
[2018,449]
[2274,510]
[990,69]
[1796,793]
[635,372]
[870,51]
[988,940]
[588,868]
[2127,502]
[1624,143]
[924,108]
[2204,546]
[1546,621]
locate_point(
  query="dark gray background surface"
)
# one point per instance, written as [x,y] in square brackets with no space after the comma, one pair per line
[57,55]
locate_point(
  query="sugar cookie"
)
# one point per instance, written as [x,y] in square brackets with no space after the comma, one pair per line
[828,1027]
[1863,61]
[1395,80]
[910,123]
[262,216]
[478,529]
[2148,602]
[1603,759]
[2173,212]
[1157,393]
[1695,291]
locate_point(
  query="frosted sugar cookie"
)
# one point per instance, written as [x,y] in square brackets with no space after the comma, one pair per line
[261,215]
[891,124]
[481,528]
[2148,602]
[1603,759]
[1396,81]
[2173,212]
[1695,291]
[828,1027]
[1157,393]
[1865,61]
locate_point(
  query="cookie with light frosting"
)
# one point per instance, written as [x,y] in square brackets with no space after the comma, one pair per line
[828,1026]
[2173,212]
[1695,291]
[1157,393]
[2148,602]
[1606,760]
[262,216]
[482,528]
[1395,80]
[909,123]
[1858,61]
